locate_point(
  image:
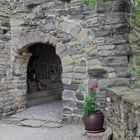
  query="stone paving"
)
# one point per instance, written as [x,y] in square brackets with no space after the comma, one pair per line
[67,132]
[47,132]
[51,111]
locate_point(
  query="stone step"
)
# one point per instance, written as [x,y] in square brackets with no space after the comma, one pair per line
[43,100]
[54,86]
[50,86]
[39,97]
[107,135]
[42,94]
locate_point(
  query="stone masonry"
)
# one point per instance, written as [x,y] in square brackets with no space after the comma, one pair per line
[92,43]
[123,113]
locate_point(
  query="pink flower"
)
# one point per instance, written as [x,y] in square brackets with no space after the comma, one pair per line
[94,87]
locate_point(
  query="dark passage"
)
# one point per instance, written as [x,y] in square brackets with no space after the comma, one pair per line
[43,75]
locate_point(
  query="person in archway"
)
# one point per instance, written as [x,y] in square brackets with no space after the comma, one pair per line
[32,75]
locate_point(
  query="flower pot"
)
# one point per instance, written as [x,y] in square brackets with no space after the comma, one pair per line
[94,122]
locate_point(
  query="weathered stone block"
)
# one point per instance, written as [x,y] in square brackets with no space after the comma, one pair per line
[79,69]
[71,87]
[79,76]
[67,111]
[97,73]
[67,75]
[79,96]
[82,34]
[112,75]
[90,48]
[122,71]
[94,64]
[121,28]
[87,41]
[67,60]
[104,83]
[78,111]
[76,81]
[68,95]
[66,80]
[68,69]
[104,31]
[106,47]
[79,62]
[75,10]
[76,49]
[116,18]
[80,105]
[100,41]
[69,104]
[71,27]
[115,61]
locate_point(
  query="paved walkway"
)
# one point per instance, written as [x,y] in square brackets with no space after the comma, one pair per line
[51,111]
[67,132]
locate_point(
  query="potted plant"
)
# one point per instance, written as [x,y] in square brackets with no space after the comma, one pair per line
[93,118]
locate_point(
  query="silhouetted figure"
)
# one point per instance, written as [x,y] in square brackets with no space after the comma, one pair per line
[32,75]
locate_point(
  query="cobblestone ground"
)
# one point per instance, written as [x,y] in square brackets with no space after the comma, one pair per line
[51,111]
[67,132]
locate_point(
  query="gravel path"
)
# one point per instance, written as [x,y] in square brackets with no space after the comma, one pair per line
[67,132]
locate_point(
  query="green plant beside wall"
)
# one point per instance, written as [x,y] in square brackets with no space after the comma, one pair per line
[136,71]
[90,103]
[135,19]
[91,2]
[136,14]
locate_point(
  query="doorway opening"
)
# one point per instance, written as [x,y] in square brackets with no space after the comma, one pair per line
[43,75]
[44,85]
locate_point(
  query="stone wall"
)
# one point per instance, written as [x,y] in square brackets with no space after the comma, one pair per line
[5,36]
[123,104]
[6,97]
[10,101]
[123,113]
[113,47]
[92,43]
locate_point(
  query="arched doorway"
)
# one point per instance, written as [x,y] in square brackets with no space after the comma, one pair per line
[43,75]
[74,75]
[44,84]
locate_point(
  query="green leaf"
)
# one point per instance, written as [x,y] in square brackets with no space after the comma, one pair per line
[91,2]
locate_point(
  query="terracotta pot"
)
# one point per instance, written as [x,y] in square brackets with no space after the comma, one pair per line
[94,122]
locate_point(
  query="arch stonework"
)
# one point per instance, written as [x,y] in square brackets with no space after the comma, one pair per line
[74,74]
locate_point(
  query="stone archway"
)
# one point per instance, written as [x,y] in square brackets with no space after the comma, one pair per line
[71,96]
